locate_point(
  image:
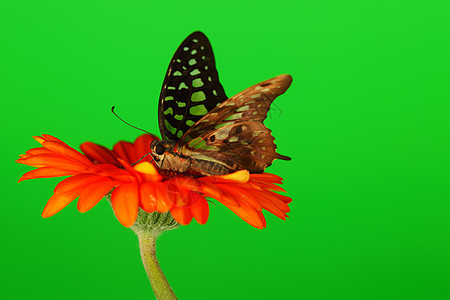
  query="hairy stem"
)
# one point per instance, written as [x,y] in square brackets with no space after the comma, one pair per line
[160,285]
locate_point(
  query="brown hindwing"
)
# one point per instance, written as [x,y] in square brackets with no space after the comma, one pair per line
[233,132]
[244,145]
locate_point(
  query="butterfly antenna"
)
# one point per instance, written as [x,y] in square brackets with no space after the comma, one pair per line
[112,110]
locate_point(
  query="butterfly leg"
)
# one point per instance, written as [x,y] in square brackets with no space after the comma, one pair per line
[142,159]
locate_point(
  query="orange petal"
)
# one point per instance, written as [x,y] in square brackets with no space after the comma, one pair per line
[46,172]
[59,201]
[176,196]
[75,182]
[40,150]
[68,152]
[113,172]
[248,186]
[148,197]
[125,151]
[52,160]
[125,202]
[249,215]
[185,183]
[99,153]
[51,138]
[268,185]
[148,171]
[130,169]
[239,176]
[142,146]
[226,198]
[93,193]
[22,160]
[146,167]
[271,207]
[182,215]
[243,195]
[283,198]
[210,190]
[272,197]
[267,177]
[163,202]
[182,190]
[39,139]
[200,210]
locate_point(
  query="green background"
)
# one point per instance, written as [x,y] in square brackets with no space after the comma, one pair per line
[366,122]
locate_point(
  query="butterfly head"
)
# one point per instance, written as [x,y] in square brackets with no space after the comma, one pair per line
[167,159]
[161,149]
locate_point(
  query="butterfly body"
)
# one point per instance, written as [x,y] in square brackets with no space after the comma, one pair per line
[190,163]
[205,132]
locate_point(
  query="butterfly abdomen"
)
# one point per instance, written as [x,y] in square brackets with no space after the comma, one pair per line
[207,168]
[192,163]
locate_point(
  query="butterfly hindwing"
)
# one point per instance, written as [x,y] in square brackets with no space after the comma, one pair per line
[233,133]
[191,87]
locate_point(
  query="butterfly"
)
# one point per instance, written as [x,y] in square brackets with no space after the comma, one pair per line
[203,131]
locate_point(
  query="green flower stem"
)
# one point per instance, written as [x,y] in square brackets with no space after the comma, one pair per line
[148,227]
[160,285]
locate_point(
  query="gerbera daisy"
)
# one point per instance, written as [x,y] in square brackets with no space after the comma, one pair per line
[136,183]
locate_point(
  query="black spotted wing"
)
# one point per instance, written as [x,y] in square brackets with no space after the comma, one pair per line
[191,87]
[233,133]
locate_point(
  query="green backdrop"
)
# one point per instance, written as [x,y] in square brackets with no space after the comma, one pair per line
[366,122]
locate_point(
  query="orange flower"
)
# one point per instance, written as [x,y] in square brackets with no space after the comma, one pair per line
[140,185]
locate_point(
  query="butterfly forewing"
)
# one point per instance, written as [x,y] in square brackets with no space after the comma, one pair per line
[191,87]
[233,133]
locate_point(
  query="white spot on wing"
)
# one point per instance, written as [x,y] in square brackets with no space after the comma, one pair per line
[223,133]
